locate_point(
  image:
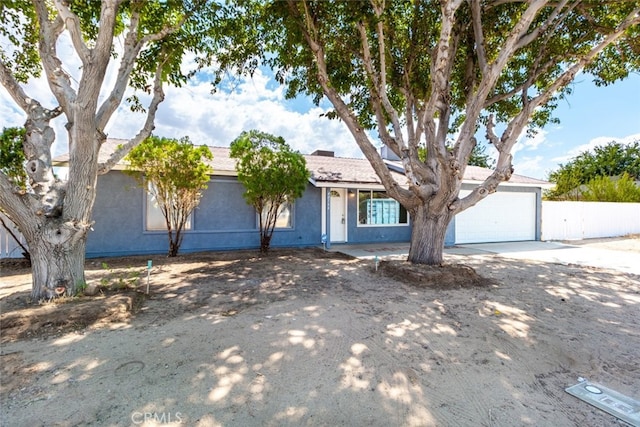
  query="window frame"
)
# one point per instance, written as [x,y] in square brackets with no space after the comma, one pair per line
[291,217]
[151,205]
[386,199]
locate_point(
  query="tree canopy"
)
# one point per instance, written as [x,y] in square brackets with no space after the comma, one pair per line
[12,156]
[273,176]
[175,173]
[606,161]
[424,73]
[12,161]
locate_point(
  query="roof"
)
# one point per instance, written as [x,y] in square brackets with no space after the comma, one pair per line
[327,171]
[477,174]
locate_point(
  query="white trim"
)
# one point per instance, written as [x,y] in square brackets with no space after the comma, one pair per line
[323,220]
[348,185]
[370,186]
[512,184]
[346,215]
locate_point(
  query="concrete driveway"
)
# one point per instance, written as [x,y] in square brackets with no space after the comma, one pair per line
[623,258]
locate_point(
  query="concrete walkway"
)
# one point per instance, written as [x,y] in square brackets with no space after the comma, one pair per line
[625,261]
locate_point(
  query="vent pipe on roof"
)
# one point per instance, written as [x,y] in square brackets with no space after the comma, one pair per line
[323,153]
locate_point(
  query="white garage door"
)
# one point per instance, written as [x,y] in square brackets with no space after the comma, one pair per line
[500,217]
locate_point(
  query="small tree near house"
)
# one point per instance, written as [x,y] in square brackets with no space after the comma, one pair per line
[273,175]
[174,173]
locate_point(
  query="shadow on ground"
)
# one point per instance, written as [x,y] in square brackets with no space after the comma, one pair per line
[305,337]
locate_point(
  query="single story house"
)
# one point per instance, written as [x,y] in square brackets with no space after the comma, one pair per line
[344,203]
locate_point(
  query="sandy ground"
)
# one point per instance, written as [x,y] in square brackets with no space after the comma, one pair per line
[307,338]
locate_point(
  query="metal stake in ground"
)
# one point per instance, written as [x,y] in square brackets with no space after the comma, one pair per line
[149,263]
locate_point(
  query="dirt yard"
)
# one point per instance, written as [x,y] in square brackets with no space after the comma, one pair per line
[310,338]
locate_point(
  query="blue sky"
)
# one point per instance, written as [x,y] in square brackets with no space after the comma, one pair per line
[591,116]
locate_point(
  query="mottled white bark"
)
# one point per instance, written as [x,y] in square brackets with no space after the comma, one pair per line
[428,235]
[55,216]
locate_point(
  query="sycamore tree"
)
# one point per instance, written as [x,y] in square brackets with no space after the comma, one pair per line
[146,41]
[423,72]
[175,173]
[273,176]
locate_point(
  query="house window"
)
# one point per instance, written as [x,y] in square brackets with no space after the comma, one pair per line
[377,208]
[155,220]
[285,215]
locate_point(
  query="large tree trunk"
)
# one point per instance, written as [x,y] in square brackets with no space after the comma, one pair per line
[427,235]
[57,259]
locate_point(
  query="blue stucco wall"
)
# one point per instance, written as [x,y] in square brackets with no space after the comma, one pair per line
[223,221]
[373,233]
[401,233]
[382,234]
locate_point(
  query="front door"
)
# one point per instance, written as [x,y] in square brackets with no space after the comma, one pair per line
[338,232]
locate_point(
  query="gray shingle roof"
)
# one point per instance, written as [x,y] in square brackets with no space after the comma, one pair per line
[326,169]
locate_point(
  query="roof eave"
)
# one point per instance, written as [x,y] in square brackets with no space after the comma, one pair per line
[512,184]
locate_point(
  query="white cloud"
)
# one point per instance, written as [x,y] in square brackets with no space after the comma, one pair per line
[526,143]
[530,166]
[214,119]
[217,119]
[593,143]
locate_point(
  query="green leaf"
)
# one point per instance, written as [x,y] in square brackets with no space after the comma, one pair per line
[271,173]
[175,173]
[12,156]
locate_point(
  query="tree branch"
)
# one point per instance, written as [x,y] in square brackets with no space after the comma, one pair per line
[504,167]
[15,90]
[132,48]
[308,29]
[58,79]
[489,79]
[381,104]
[390,110]
[438,104]
[476,19]
[12,200]
[533,35]
[376,90]
[441,62]
[491,134]
[145,132]
[72,23]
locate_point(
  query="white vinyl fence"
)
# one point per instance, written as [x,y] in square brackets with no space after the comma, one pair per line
[9,248]
[588,220]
